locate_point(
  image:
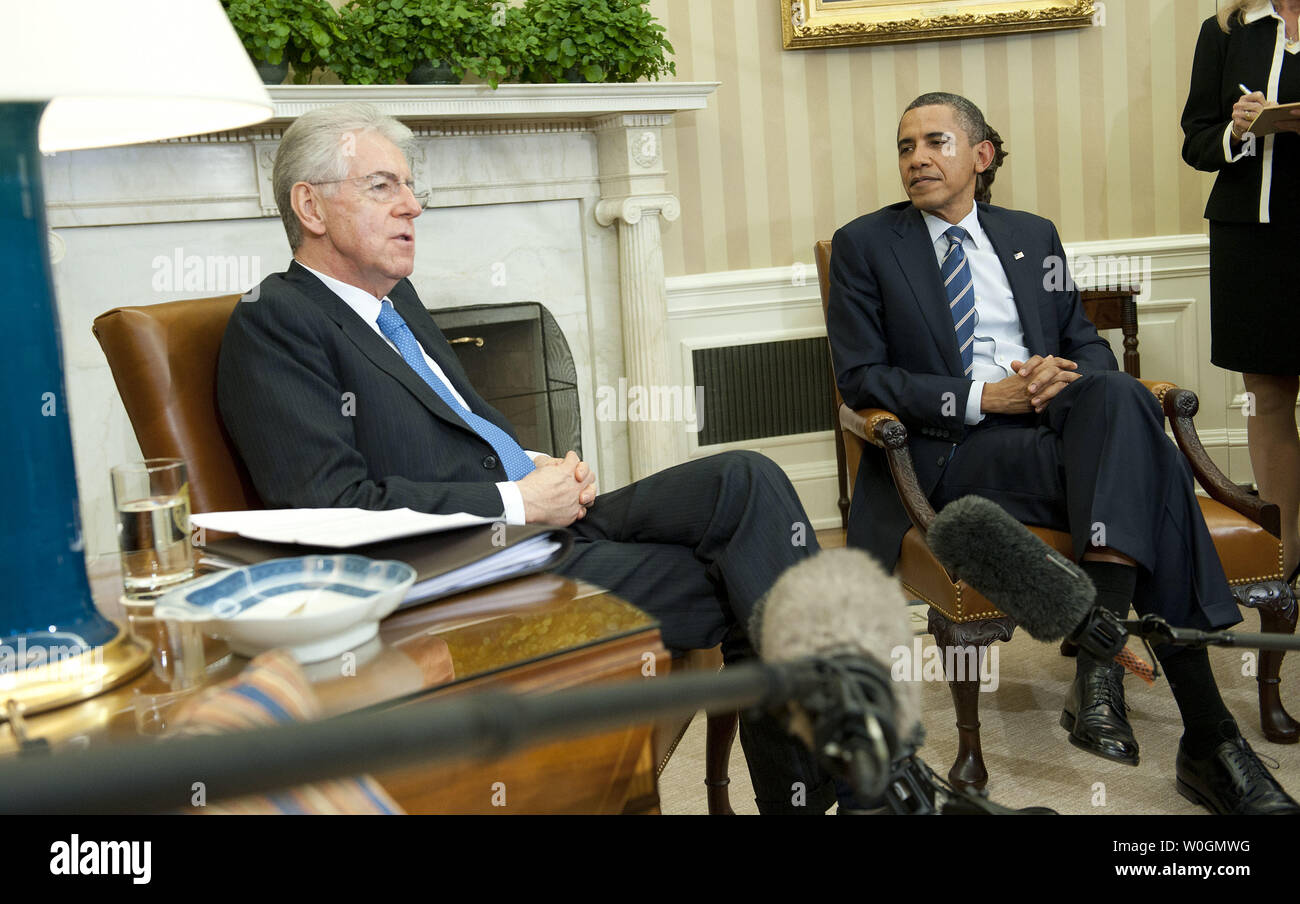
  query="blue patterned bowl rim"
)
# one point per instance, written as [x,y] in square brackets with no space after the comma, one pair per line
[228,594]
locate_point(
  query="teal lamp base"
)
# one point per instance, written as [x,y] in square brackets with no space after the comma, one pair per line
[54,646]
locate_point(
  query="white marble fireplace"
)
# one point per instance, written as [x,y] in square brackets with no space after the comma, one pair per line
[549,193]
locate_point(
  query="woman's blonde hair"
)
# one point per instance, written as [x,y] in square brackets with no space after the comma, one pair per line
[1236,9]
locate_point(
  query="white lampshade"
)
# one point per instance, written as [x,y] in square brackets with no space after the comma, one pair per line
[126,71]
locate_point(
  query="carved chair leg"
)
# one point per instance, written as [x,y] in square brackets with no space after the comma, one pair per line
[1276,605]
[720,734]
[841,471]
[956,641]
[968,769]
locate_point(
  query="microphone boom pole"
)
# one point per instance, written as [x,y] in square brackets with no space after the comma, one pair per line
[153,776]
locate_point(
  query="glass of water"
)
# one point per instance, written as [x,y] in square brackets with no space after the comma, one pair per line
[152,498]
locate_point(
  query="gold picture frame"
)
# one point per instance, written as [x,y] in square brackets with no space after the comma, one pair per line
[836,23]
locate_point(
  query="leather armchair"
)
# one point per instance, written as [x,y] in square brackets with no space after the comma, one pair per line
[164,361]
[1245,531]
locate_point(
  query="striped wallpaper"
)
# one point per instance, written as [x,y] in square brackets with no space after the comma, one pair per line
[796,143]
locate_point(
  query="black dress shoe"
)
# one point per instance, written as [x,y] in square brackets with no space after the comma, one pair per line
[1232,782]
[1095,713]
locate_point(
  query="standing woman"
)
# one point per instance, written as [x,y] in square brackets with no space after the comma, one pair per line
[1246,59]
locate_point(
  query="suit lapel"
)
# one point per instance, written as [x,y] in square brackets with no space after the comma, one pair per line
[369,343]
[915,254]
[1025,281]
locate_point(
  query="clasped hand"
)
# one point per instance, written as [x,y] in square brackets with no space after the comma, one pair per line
[1033,384]
[558,491]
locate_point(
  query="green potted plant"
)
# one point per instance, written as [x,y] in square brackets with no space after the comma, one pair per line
[419,41]
[374,50]
[596,41]
[495,40]
[515,42]
[277,33]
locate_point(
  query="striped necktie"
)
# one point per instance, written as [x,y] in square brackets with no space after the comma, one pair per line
[512,456]
[959,286]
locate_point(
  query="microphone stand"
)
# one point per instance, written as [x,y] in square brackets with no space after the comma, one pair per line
[1154,629]
[1104,635]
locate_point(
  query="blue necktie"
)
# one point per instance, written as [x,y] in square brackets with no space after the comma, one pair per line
[959,286]
[512,456]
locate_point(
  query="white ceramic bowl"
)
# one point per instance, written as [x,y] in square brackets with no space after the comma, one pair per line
[315,606]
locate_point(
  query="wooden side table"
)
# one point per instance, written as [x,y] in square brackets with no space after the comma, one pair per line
[535,634]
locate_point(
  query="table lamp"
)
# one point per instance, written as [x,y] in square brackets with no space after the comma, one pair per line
[80,74]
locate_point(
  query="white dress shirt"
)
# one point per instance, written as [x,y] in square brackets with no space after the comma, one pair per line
[368,308]
[999,340]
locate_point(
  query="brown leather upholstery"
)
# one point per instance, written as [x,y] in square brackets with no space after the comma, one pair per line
[1248,552]
[164,361]
[923,576]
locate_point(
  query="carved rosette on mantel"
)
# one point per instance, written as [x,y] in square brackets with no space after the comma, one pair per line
[634,197]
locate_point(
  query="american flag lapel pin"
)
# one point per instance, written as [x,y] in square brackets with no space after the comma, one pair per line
[1019,255]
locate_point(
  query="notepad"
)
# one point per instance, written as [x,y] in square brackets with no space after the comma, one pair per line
[1267,121]
[333,528]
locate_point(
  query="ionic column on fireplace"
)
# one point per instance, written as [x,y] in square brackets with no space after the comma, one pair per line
[634,196]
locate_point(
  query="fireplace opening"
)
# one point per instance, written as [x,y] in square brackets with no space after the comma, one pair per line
[519,361]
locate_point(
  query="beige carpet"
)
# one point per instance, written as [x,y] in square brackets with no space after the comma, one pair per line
[1029,760]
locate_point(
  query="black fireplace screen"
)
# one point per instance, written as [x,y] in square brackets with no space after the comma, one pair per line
[519,361]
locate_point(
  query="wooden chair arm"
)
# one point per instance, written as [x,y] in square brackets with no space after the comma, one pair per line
[1159,388]
[877,426]
[1180,406]
[884,430]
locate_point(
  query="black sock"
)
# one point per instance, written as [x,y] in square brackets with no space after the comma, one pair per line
[1115,584]
[1206,721]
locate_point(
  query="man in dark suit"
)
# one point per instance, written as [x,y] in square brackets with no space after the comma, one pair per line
[947,313]
[339,390]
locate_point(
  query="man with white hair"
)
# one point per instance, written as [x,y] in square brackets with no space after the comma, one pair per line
[695,545]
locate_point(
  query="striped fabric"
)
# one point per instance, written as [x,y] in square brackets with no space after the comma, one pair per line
[270,691]
[796,142]
[959,284]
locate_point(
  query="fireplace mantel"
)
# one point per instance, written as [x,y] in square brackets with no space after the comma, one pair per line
[540,102]
[549,193]
[156,183]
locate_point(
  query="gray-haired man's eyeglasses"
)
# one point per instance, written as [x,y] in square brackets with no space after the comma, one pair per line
[383,188]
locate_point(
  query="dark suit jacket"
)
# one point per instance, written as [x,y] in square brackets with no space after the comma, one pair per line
[1243,56]
[325,413]
[894,346]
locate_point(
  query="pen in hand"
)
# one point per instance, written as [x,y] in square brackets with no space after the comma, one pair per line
[1246,92]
